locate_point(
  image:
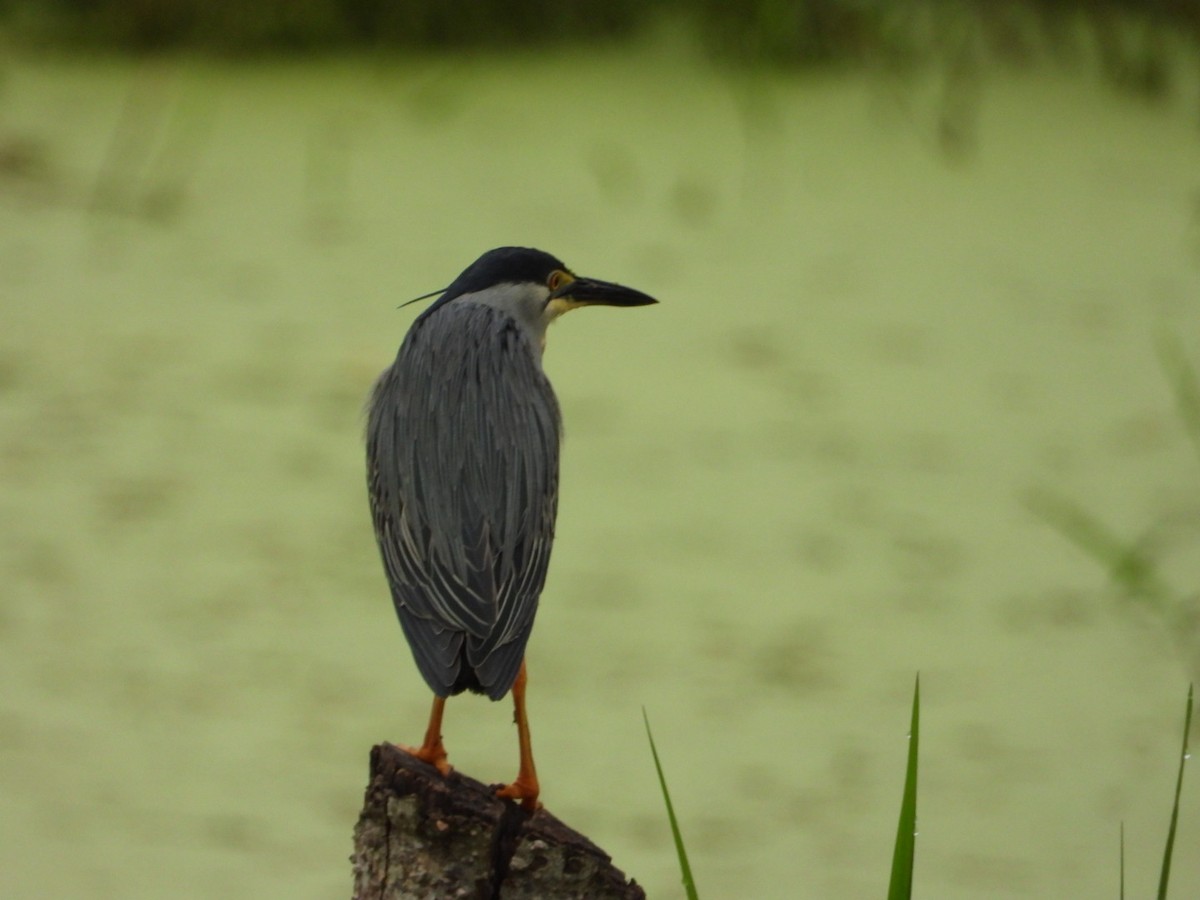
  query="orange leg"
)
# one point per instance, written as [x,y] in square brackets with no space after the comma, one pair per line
[432,750]
[525,788]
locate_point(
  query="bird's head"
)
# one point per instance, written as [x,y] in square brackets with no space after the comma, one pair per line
[533,287]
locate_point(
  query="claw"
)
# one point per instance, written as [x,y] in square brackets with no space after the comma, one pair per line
[523,790]
[435,756]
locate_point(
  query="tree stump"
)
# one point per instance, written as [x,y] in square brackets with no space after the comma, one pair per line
[420,835]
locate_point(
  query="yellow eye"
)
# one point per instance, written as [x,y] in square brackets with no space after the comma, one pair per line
[557,279]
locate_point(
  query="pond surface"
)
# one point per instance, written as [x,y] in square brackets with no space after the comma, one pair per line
[788,488]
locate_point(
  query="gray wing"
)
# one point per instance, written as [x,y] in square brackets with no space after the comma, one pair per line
[462,458]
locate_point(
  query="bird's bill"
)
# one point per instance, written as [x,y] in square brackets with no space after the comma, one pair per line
[590,291]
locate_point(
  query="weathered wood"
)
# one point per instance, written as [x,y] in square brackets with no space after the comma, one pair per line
[424,836]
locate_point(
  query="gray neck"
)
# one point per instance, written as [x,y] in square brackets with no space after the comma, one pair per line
[526,303]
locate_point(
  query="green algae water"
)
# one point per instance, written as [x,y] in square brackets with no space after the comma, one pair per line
[786,489]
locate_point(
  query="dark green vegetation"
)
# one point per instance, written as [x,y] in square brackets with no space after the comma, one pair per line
[776,31]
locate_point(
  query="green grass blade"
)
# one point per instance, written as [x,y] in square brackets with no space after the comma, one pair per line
[906,832]
[1165,875]
[685,868]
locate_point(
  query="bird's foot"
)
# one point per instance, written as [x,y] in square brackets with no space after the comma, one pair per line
[524,789]
[435,755]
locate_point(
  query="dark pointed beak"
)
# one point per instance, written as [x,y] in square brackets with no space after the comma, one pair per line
[601,293]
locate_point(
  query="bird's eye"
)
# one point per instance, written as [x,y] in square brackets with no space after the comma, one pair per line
[556,280]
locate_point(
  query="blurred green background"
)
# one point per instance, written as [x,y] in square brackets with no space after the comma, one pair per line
[913,261]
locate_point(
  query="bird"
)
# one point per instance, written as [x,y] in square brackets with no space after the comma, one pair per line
[463,434]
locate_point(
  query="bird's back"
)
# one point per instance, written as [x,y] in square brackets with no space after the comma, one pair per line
[462,450]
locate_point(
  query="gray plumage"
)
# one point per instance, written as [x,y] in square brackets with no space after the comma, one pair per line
[462,449]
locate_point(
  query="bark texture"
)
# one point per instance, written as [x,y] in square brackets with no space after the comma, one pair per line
[420,835]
